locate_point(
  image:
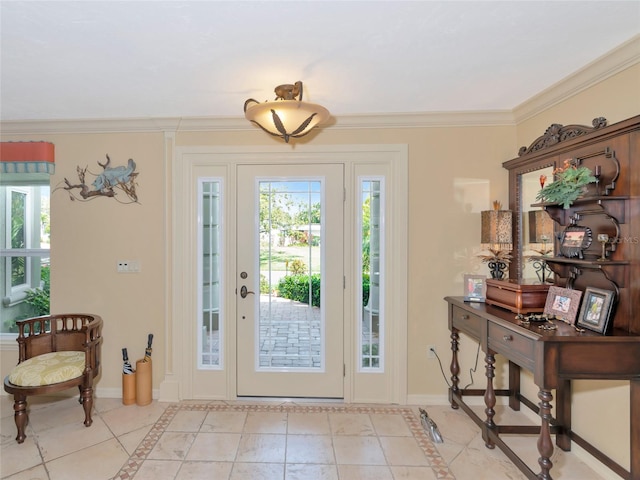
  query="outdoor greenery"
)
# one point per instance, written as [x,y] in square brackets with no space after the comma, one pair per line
[297,267]
[279,211]
[37,303]
[366,236]
[39,298]
[296,287]
[369,354]
[264,284]
[18,239]
[365,289]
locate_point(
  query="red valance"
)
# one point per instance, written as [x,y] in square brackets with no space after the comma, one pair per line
[27,157]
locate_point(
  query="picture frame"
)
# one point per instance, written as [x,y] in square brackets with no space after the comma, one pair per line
[563,303]
[596,310]
[574,240]
[475,288]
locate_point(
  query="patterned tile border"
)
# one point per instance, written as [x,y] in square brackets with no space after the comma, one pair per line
[437,463]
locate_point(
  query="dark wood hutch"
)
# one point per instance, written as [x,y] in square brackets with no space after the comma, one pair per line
[612,206]
[556,357]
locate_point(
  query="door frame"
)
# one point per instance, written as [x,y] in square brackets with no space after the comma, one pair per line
[180,370]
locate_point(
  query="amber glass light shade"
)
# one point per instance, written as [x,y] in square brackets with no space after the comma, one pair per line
[287,116]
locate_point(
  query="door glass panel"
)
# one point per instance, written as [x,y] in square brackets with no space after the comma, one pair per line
[290,330]
[371,241]
[210,324]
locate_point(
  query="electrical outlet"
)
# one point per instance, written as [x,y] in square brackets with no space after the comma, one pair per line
[128,266]
[431,351]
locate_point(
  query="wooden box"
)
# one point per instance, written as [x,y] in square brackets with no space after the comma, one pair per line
[519,297]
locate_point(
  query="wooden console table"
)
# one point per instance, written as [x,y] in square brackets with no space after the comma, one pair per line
[555,357]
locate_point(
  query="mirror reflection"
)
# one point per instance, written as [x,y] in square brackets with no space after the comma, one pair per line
[537,227]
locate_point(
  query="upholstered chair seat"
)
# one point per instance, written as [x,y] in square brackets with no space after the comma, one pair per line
[55,352]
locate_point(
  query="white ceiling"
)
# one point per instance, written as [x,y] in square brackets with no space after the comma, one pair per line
[141,59]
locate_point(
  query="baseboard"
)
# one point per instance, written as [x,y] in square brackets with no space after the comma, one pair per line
[592,462]
[117,393]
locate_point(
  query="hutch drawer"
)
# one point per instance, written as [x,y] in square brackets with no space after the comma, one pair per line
[466,321]
[518,348]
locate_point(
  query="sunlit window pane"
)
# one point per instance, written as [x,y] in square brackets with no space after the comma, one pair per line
[291,320]
[210,325]
[371,240]
[24,270]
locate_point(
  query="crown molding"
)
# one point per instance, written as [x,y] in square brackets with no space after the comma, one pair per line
[92,125]
[609,64]
[421,120]
[617,60]
[212,124]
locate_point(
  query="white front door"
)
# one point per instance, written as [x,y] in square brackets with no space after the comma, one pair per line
[290,280]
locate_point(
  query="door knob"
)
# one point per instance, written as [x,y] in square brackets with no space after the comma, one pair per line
[244,292]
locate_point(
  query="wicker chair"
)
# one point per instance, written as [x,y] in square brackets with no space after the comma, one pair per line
[56,352]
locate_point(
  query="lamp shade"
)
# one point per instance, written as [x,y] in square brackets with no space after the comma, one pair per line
[287,116]
[496,227]
[540,226]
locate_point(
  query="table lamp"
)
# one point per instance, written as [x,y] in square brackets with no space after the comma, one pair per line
[497,238]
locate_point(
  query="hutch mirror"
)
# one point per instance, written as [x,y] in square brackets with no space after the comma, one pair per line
[537,238]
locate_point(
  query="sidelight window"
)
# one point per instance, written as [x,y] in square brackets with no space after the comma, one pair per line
[210,325]
[371,297]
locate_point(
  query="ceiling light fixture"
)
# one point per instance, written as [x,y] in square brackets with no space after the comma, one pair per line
[287,116]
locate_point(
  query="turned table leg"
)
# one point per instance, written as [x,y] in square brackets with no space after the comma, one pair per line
[20,415]
[545,445]
[489,399]
[455,368]
[87,405]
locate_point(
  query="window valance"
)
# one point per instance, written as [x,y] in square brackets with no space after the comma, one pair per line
[27,157]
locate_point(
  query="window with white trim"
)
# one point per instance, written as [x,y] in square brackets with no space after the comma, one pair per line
[24,243]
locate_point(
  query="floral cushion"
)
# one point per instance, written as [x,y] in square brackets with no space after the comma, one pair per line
[48,368]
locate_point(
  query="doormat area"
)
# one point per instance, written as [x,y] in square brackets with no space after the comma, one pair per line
[437,463]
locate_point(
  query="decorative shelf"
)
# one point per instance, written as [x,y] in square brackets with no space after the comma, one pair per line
[583,200]
[581,263]
[614,271]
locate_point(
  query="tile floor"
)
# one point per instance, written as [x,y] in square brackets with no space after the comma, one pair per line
[259,440]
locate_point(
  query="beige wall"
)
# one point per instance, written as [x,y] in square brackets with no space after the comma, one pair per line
[90,237]
[616,99]
[454,172]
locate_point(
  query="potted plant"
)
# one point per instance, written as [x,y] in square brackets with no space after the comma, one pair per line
[570,182]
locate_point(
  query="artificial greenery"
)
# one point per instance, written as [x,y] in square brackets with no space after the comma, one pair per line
[568,185]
